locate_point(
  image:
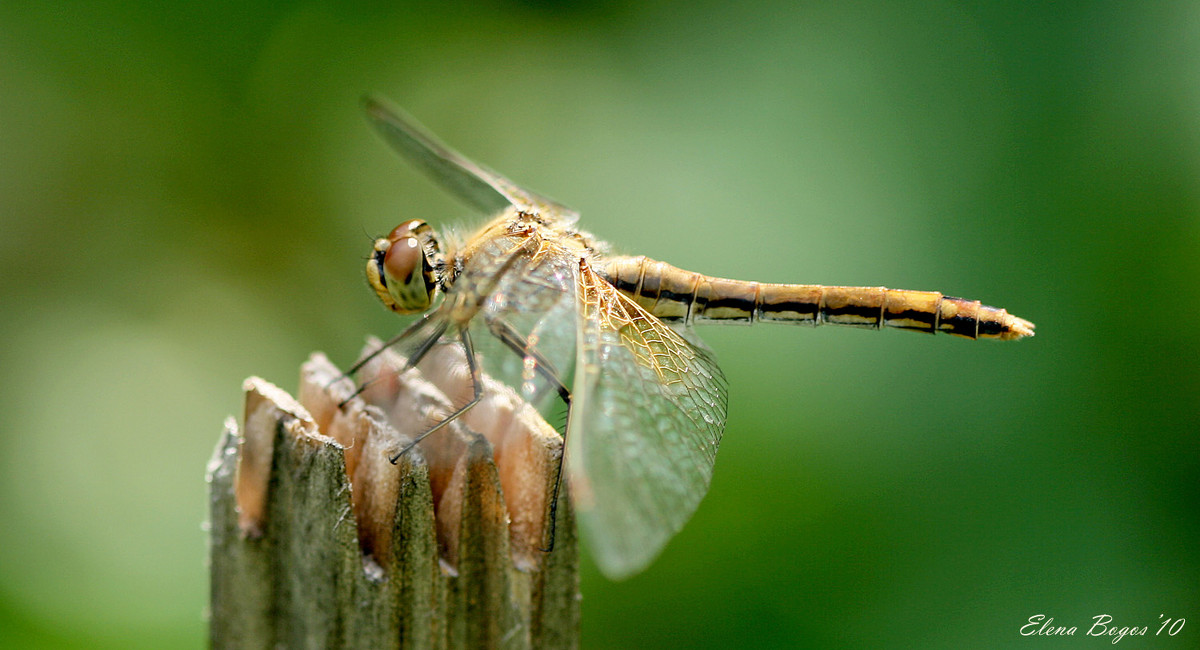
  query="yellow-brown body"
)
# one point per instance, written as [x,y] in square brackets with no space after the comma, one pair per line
[673,294]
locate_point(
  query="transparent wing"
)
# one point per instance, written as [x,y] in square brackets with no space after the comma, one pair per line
[647,413]
[525,326]
[648,403]
[482,188]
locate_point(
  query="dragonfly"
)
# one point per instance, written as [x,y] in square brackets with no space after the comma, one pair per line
[551,311]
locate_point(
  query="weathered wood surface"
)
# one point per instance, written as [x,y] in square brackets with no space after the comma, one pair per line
[318,541]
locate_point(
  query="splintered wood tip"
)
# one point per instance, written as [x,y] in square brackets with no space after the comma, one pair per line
[448,535]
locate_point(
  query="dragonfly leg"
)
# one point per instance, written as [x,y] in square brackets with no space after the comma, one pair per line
[517,344]
[476,387]
[411,362]
[554,496]
[408,331]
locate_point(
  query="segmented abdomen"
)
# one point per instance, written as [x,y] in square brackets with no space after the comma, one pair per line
[673,294]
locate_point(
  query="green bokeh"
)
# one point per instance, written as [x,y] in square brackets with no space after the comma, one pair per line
[187,193]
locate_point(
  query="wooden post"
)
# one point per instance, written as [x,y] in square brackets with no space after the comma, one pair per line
[318,541]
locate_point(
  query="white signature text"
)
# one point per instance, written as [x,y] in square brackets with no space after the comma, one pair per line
[1102,625]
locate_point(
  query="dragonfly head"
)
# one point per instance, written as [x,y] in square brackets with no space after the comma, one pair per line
[405,266]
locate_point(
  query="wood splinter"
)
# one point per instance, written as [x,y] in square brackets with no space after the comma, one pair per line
[317,540]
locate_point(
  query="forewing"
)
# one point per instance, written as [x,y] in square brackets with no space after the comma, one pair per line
[482,188]
[647,414]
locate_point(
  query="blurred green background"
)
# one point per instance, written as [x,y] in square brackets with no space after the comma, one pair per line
[187,192]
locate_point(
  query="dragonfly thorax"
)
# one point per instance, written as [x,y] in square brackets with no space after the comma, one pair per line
[405,267]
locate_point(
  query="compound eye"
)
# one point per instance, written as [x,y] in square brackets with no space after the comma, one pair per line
[403,260]
[406,229]
[400,269]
